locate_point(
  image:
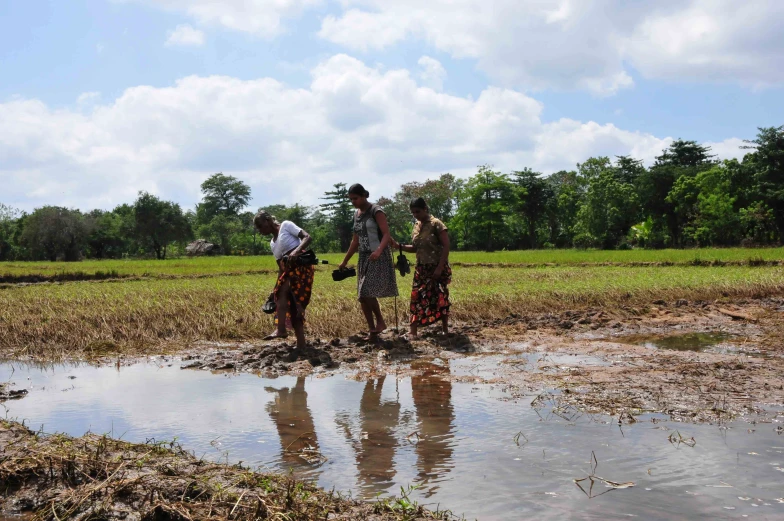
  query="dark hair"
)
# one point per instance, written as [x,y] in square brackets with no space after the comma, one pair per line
[418,203]
[358,189]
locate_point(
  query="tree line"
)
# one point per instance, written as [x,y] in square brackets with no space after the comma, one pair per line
[687,198]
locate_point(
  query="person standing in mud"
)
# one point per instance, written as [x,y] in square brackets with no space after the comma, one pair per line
[376,271]
[295,282]
[432,276]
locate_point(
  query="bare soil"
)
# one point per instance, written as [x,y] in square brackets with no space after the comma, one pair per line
[588,359]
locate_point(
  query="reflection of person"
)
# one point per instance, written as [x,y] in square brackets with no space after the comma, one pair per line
[293,420]
[375,270]
[430,292]
[295,283]
[433,402]
[376,454]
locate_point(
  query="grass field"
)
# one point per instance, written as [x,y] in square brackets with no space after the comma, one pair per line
[185,267]
[146,315]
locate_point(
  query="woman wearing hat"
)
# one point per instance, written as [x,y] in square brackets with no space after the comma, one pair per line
[295,282]
[375,270]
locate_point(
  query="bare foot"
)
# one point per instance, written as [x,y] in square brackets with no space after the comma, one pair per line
[381,326]
[275,335]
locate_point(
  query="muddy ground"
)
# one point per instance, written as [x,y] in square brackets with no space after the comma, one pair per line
[57,477]
[590,360]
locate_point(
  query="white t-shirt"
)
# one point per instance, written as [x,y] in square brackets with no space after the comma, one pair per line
[288,239]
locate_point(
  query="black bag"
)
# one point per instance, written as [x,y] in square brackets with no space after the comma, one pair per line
[403,265]
[338,275]
[270,306]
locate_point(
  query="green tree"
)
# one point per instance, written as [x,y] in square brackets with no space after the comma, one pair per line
[224,195]
[485,202]
[568,191]
[681,158]
[159,223]
[768,160]
[439,194]
[705,208]
[535,195]
[758,225]
[340,213]
[9,225]
[52,233]
[610,207]
[106,239]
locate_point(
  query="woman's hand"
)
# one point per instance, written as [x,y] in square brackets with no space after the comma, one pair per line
[375,255]
[342,266]
[438,271]
[394,243]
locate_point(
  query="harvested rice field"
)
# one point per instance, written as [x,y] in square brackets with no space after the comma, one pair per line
[590,385]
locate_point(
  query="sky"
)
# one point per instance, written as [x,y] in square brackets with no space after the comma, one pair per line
[101,99]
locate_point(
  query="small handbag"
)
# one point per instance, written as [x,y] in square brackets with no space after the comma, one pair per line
[403,265]
[338,275]
[270,306]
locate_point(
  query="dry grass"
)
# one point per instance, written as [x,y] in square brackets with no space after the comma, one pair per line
[95,477]
[53,321]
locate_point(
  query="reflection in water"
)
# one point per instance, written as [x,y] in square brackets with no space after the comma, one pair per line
[433,402]
[465,435]
[289,411]
[376,450]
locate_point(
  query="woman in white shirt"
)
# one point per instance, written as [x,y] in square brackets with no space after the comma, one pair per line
[295,283]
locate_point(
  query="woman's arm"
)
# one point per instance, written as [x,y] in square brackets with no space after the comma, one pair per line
[303,245]
[352,249]
[444,238]
[408,248]
[381,221]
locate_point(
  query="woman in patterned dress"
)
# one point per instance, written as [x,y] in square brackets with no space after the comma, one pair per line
[295,283]
[375,271]
[430,292]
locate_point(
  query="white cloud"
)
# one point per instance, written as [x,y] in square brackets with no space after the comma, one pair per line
[432,73]
[353,123]
[262,17]
[185,35]
[581,44]
[87,97]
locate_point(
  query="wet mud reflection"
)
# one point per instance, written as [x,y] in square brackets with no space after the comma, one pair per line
[454,441]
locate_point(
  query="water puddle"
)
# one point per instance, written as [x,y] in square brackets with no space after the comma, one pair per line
[716,342]
[471,448]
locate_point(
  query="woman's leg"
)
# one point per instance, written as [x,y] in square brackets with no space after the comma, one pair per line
[412,330]
[299,332]
[284,296]
[367,309]
[445,324]
[380,324]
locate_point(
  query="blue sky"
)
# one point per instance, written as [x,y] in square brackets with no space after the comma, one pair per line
[99,100]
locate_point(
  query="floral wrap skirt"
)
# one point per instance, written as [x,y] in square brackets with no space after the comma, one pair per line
[300,279]
[430,296]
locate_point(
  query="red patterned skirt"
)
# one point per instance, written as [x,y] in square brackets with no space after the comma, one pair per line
[430,296]
[300,279]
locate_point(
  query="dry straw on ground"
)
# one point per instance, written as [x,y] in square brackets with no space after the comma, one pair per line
[60,478]
[54,321]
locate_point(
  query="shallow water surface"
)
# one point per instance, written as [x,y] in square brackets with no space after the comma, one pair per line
[457,443]
[716,342]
